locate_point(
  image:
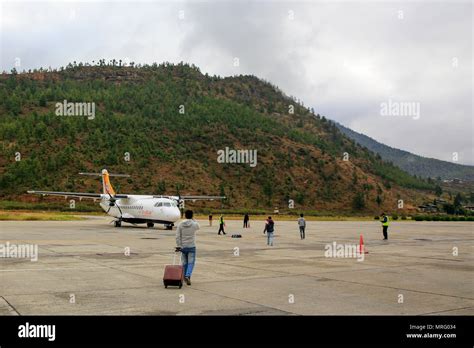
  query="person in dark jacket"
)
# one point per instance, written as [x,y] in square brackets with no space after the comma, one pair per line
[269,230]
[210,219]
[246,220]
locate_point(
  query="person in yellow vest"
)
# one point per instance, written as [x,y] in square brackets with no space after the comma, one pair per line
[385,223]
[221,224]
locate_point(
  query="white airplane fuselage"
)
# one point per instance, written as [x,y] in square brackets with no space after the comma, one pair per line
[134,209]
[141,209]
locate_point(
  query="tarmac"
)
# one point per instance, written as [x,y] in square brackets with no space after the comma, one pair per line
[92,268]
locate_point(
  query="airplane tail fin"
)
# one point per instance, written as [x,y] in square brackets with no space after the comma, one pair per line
[107,187]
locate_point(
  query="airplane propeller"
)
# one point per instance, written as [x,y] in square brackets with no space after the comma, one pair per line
[112,201]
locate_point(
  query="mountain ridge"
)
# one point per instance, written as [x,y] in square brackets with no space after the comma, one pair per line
[414,164]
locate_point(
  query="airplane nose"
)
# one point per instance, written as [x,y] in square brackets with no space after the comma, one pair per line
[174,214]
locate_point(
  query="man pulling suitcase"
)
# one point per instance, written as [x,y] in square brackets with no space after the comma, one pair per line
[186,243]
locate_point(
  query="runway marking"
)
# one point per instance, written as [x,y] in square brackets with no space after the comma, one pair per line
[448,310]
[10,306]
[49,269]
[241,300]
[395,288]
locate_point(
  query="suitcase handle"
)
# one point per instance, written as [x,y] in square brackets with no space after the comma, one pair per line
[174,257]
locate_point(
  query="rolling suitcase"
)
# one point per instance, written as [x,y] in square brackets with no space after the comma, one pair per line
[173,274]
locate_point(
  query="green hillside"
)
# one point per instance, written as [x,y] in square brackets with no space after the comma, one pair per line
[172,120]
[411,163]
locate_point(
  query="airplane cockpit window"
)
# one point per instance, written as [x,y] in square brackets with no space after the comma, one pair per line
[159,204]
[167,204]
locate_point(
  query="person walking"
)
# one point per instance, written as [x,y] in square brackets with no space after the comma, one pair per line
[302,225]
[210,219]
[186,243]
[246,220]
[221,225]
[269,230]
[385,223]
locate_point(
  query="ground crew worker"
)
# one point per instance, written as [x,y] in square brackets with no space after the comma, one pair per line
[210,219]
[221,225]
[385,224]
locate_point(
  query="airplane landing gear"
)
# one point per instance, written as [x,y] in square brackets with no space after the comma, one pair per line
[150,224]
[169,227]
[118,223]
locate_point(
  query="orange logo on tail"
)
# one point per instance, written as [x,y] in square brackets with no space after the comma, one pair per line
[107,186]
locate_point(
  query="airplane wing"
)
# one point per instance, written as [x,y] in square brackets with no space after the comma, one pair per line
[192,198]
[75,194]
[195,198]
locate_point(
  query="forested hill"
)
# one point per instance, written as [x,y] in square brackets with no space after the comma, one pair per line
[164,124]
[411,163]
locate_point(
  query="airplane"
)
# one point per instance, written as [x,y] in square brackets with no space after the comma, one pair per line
[134,209]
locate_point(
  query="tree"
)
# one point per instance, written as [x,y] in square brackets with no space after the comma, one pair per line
[378,200]
[268,189]
[299,198]
[354,177]
[358,203]
[161,188]
[458,199]
[42,101]
[438,190]
[449,208]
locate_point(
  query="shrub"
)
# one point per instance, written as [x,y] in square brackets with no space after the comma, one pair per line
[394,217]
[376,217]
[462,218]
[428,218]
[404,217]
[418,218]
[436,218]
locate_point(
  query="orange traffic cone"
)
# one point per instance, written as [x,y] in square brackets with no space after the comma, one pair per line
[361,246]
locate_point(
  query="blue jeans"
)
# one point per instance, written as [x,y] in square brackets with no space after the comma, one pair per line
[188,257]
[270,238]
[302,232]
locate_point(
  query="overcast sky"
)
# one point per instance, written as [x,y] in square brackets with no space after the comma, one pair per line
[344,59]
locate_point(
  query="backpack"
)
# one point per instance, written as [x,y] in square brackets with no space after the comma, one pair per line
[270,226]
